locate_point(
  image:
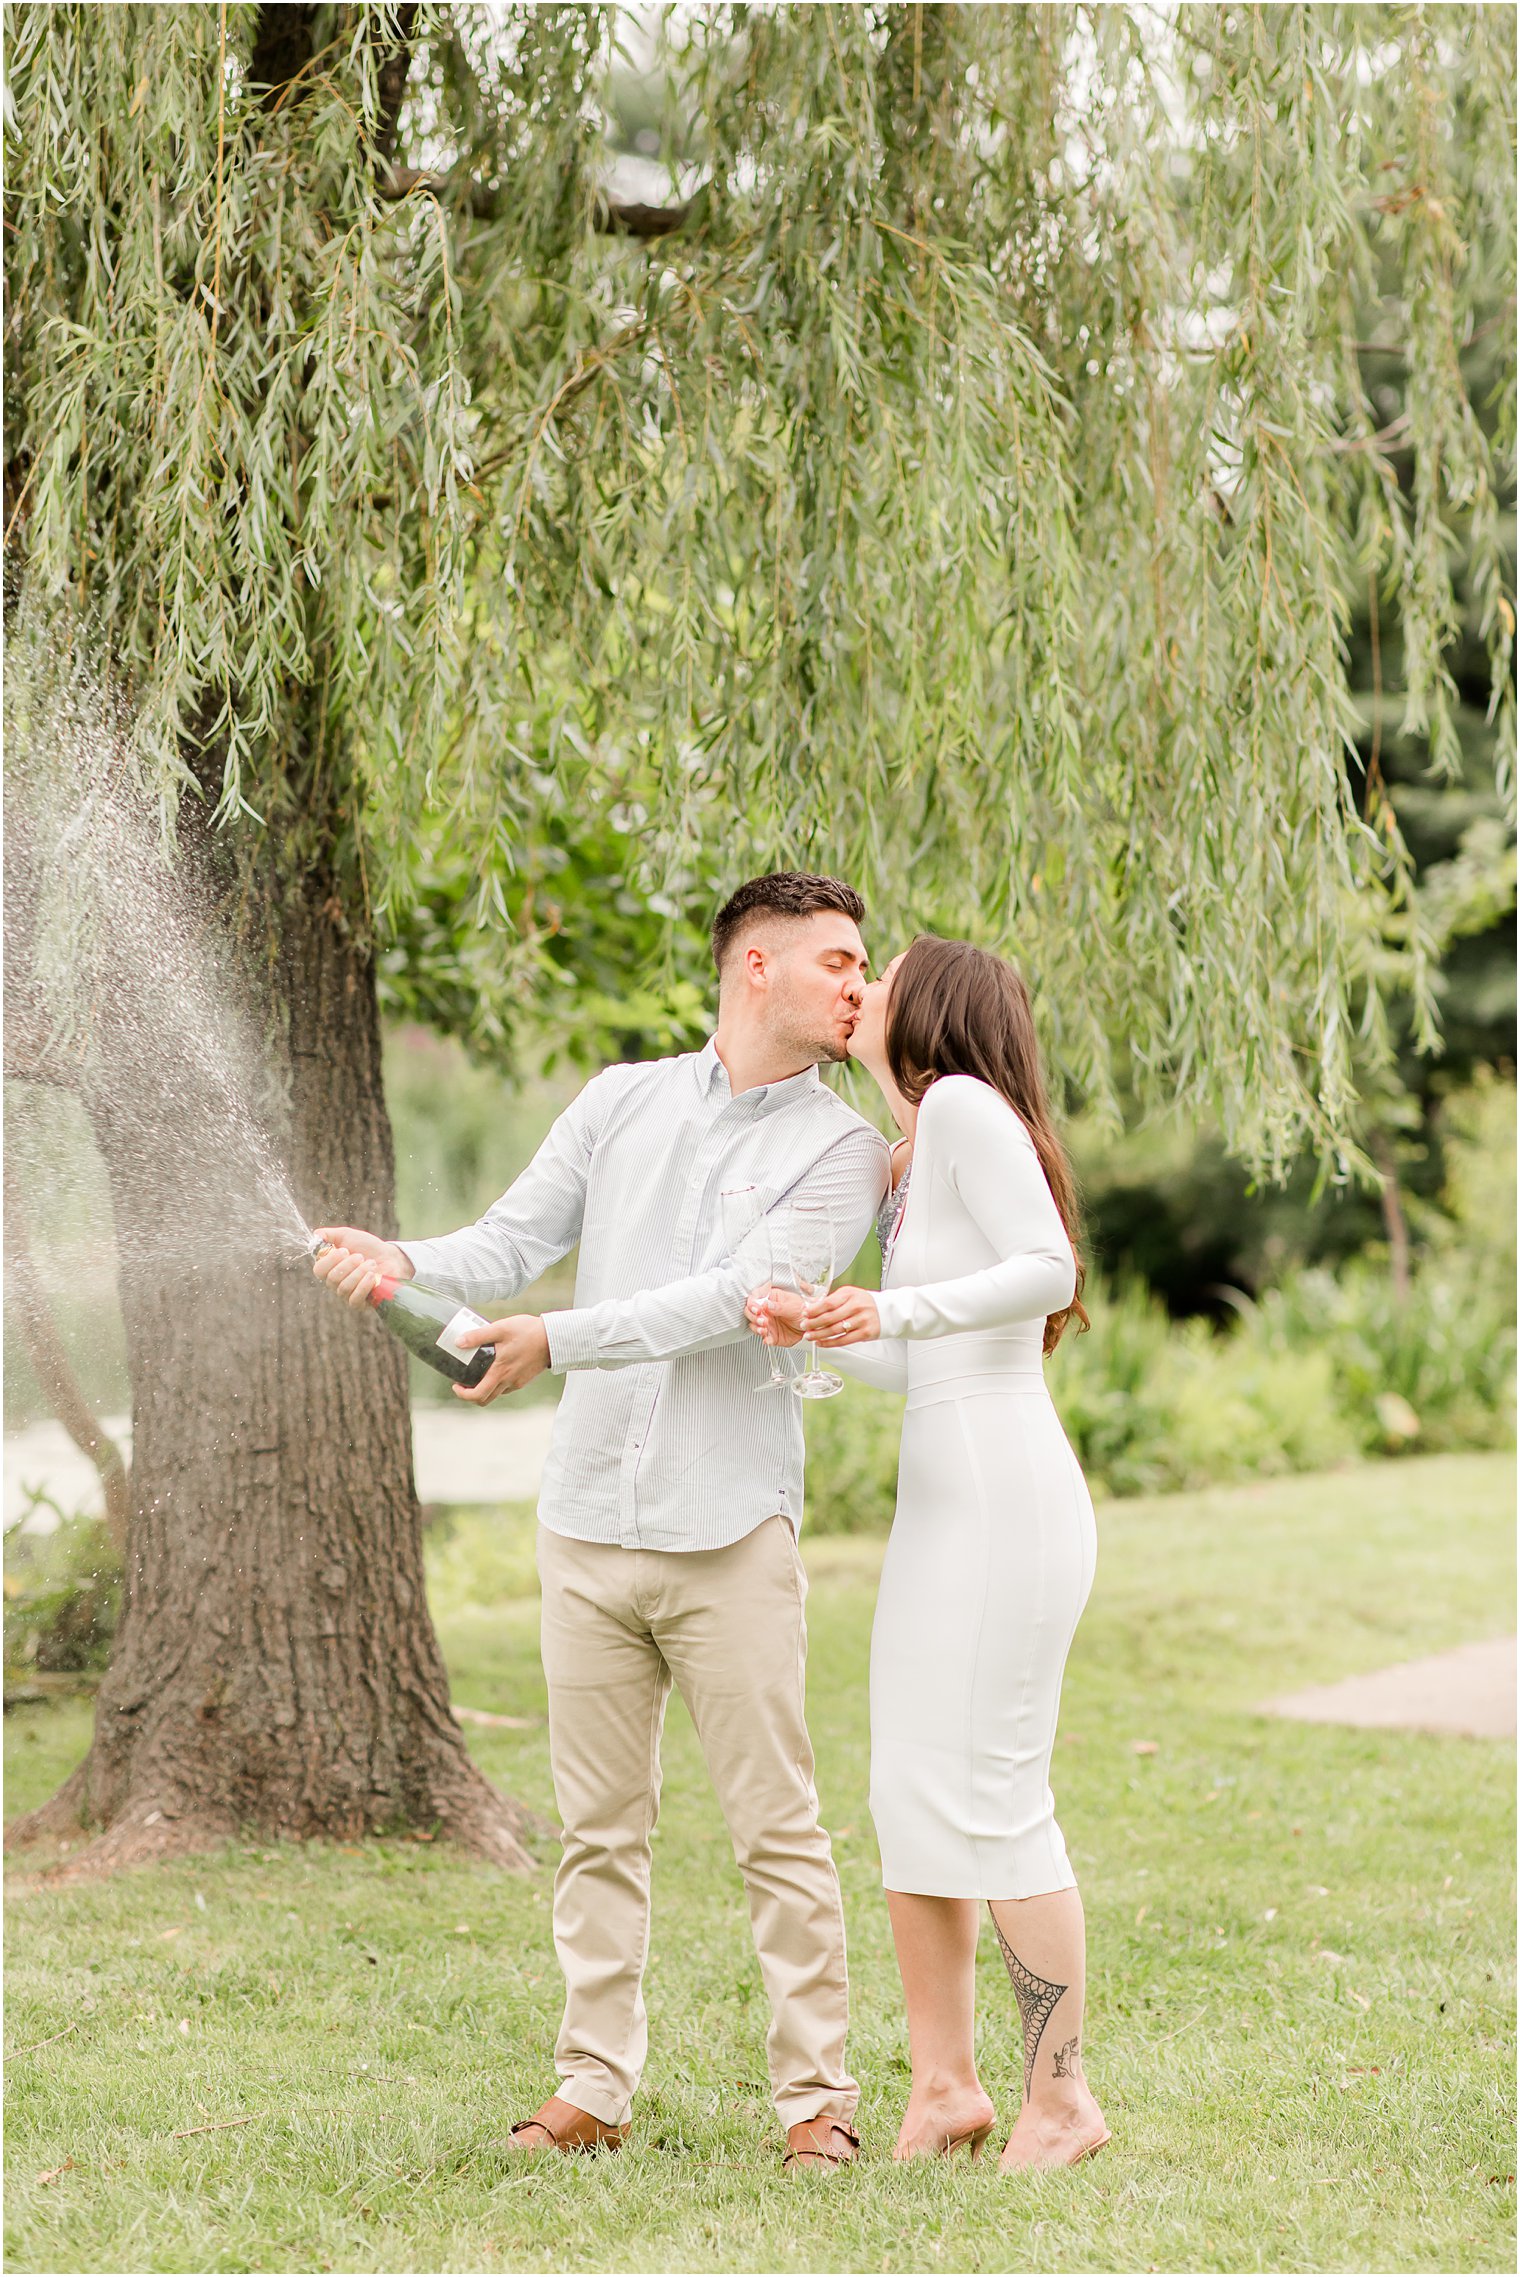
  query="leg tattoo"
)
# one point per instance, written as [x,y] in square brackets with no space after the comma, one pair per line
[1068,2060]
[1036,1997]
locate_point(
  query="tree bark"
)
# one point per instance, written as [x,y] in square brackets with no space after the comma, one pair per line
[1395,1225]
[276,1668]
[284,41]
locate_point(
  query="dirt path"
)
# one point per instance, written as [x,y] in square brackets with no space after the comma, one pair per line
[1470,1690]
[496,1455]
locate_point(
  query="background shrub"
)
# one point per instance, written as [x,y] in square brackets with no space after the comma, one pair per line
[1324,1368]
[62,1598]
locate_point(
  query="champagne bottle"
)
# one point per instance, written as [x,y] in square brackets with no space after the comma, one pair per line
[429,1325]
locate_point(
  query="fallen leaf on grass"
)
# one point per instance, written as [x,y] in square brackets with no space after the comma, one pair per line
[1142,1747]
[51,2174]
[177,1931]
[1140,1916]
[1270,1914]
[462,1929]
[184,2025]
[1365,2071]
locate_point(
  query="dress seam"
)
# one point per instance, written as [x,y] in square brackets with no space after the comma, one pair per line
[975,1468]
[1021,1721]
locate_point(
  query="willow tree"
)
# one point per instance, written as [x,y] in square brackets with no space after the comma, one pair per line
[952,477]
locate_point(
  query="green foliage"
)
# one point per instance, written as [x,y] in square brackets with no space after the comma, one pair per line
[1434,1368]
[474,1558]
[62,1597]
[1149,1406]
[1456,817]
[1479,1212]
[1300,1997]
[963,494]
[462,1132]
[1324,1367]
[591,964]
[1184,1406]
[1164,1203]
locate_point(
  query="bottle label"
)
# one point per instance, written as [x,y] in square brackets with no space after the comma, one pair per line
[449,1339]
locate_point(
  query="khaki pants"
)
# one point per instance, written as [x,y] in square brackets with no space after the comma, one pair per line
[619,1626]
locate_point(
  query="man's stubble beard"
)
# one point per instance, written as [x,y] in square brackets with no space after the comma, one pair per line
[793,1037]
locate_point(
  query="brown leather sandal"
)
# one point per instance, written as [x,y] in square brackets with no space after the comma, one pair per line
[561,2126]
[823,2143]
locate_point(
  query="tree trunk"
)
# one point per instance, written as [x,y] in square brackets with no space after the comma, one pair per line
[276,1667]
[1395,1224]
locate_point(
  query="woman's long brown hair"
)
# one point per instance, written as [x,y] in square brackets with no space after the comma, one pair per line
[959,1010]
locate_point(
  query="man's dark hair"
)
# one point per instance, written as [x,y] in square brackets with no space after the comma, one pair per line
[783,893]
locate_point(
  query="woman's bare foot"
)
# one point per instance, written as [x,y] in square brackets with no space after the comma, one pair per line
[934,2121]
[1049,2133]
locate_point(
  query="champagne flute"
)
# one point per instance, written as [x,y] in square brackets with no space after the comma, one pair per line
[747,1239]
[810,1252]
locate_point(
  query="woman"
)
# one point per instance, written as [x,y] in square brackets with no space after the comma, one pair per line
[991,1554]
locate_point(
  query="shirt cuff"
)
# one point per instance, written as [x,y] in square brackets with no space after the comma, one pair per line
[417,1252]
[572,1339]
[892,1311]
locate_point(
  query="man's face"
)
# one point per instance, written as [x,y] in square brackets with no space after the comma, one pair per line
[870,1038]
[815,972]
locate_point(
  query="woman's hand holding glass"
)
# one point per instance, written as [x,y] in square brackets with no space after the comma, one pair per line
[844,1316]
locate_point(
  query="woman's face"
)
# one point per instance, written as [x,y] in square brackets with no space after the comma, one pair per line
[869,1042]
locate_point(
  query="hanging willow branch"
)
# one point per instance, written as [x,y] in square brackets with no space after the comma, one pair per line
[962,489]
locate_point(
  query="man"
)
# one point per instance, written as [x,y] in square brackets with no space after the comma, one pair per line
[673,1490]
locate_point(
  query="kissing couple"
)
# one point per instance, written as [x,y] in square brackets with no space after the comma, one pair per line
[672,1497]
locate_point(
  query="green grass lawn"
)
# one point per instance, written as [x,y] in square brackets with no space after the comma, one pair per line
[1300,2016]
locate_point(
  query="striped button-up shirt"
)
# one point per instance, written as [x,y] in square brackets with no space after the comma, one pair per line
[667,1437]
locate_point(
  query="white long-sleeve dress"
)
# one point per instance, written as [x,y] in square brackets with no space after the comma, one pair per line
[992,1548]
